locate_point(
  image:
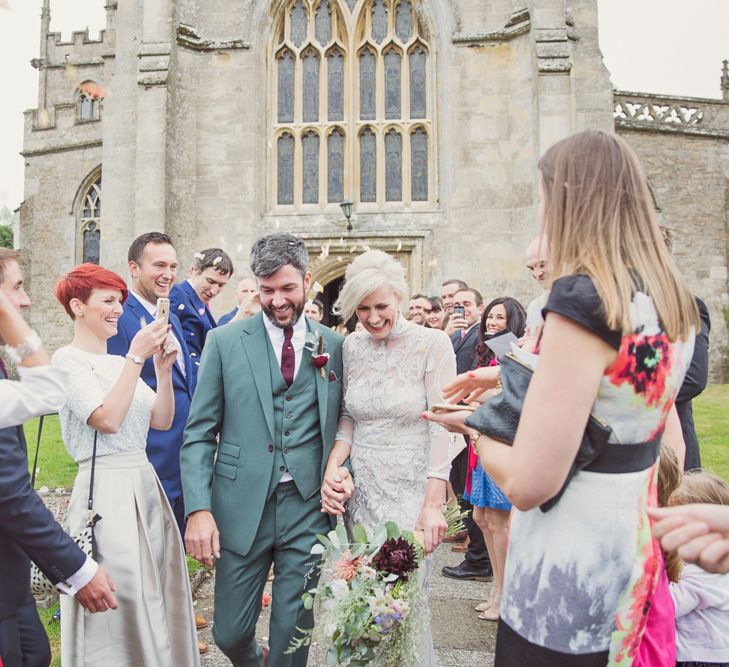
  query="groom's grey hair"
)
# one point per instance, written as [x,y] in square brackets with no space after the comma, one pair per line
[272,252]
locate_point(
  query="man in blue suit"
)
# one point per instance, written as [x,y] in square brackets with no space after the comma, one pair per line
[191,299]
[153,267]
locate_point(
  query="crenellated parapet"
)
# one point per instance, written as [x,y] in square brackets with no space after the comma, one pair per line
[80,51]
[663,113]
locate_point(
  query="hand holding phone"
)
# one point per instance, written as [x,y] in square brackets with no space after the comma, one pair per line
[163,310]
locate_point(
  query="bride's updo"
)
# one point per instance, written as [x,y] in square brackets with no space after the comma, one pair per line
[371,270]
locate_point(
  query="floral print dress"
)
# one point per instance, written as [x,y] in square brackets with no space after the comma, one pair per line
[580,577]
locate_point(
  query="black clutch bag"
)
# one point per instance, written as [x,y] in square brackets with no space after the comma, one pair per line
[498,418]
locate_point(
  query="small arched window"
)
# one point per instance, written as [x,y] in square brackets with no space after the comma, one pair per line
[90,227]
[89,100]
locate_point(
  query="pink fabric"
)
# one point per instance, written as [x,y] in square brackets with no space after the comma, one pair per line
[658,645]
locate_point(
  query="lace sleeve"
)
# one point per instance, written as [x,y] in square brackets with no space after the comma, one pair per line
[439,371]
[345,427]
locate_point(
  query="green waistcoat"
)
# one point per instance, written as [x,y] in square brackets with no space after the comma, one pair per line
[297,440]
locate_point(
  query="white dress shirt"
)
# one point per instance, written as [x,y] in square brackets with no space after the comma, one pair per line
[151,308]
[298,338]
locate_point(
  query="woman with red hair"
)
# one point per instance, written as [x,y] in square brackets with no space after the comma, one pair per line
[109,412]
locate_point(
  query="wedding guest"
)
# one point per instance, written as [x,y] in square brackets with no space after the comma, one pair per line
[314,310]
[696,378]
[27,529]
[109,411]
[617,341]
[491,508]
[448,291]
[190,300]
[701,598]
[435,315]
[537,262]
[416,308]
[248,301]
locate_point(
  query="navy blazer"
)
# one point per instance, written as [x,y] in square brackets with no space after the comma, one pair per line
[163,447]
[228,317]
[195,318]
[465,349]
[27,529]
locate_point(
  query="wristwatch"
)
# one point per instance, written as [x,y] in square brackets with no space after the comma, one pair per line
[137,360]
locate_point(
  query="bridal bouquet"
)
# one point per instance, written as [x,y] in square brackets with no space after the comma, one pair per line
[371,610]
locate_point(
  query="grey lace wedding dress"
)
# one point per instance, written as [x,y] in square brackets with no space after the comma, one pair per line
[388,384]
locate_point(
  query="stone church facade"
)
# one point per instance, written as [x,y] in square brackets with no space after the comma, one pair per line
[221,120]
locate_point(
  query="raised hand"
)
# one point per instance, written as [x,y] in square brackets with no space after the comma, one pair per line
[149,339]
[468,387]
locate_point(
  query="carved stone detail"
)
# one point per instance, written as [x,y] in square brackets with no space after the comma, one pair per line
[519,23]
[655,112]
[188,37]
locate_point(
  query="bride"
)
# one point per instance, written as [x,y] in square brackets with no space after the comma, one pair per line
[393,371]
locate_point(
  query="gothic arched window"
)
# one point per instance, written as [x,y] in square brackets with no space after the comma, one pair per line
[89,99]
[90,227]
[351,104]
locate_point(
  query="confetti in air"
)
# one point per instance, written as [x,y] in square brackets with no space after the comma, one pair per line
[399,245]
[91,88]
[199,255]
[325,250]
[317,287]
[341,240]
[353,249]
[217,261]
[181,306]
[366,248]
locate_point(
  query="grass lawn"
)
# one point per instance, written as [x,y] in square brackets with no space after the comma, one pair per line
[55,467]
[711,416]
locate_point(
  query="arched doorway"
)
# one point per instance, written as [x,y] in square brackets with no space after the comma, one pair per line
[328,297]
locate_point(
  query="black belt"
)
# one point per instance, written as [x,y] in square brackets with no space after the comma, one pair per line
[615,459]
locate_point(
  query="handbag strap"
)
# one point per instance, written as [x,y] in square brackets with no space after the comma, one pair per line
[37,448]
[93,470]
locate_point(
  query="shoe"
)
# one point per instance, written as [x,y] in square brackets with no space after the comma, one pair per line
[460,536]
[202,647]
[461,547]
[466,572]
[200,622]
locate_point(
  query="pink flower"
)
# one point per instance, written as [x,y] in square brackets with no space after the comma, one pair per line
[346,567]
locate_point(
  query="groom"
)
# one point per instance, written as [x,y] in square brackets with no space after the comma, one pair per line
[262,423]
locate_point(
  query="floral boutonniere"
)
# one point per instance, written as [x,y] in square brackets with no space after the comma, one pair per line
[315,344]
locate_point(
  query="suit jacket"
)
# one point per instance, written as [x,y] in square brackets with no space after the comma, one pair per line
[27,529]
[234,405]
[693,384]
[195,318]
[465,349]
[163,447]
[228,317]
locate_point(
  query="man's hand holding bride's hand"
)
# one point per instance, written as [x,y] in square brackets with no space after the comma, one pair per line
[433,525]
[336,489]
[202,538]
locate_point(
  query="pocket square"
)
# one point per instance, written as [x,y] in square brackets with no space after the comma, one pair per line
[332,376]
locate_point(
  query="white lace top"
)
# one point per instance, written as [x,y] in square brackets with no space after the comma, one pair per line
[91,378]
[388,384]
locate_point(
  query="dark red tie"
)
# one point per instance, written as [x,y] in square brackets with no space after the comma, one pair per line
[288,357]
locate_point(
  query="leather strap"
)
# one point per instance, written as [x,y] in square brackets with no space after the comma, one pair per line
[37,447]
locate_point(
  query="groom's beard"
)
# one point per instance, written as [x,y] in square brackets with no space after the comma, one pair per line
[296,311]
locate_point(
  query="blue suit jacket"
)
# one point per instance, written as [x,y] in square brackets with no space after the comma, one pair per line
[163,447]
[195,318]
[228,317]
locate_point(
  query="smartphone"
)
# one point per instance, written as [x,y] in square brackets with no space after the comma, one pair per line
[163,310]
[449,407]
[459,310]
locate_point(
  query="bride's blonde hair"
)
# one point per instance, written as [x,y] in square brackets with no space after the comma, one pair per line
[369,271]
[598,215]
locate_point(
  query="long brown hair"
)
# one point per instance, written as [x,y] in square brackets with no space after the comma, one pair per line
[598,215]
[669,479]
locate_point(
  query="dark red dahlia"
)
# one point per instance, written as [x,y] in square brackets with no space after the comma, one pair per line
[396,556]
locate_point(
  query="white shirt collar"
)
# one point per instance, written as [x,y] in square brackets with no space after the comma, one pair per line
[277,332]
[150,307]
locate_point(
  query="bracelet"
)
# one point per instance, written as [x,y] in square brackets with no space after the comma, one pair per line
[134,358]
[29,346]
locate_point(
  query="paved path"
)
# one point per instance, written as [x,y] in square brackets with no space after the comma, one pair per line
[461,640]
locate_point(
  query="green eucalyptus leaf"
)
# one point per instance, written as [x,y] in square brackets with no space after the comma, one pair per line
[360,534]
[393,532]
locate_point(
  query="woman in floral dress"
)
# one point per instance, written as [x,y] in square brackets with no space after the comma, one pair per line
[617,340]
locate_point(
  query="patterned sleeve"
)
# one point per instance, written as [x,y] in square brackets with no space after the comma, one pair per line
[345,427]
[440,369]
[83,389]
[576,298]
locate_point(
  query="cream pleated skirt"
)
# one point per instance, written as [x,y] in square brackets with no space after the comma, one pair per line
[139,545]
